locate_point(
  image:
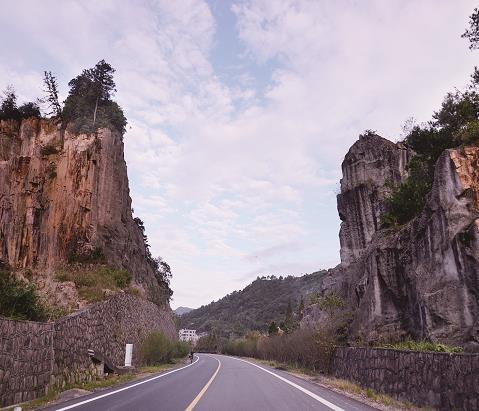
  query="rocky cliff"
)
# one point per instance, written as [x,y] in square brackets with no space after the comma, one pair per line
[65,196]
[423,279]
[369,165]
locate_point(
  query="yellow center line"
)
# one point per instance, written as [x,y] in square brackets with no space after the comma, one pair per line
[202,392]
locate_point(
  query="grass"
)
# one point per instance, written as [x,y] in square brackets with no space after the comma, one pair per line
[369,393]
[92,280]
[342,385]
[426,346]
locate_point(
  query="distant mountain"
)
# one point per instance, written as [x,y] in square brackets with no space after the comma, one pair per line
[182,310]
[254,307]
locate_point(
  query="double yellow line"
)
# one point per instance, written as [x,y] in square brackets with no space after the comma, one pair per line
[202,392]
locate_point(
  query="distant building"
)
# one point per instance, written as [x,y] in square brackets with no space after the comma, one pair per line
[188,335]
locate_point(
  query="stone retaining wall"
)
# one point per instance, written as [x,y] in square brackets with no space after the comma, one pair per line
[34,356]
[443,381]
[26,360]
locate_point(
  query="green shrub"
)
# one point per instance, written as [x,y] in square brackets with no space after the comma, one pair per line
[19,300]
[94,256]
[91,281]
[455,124]
[182,348]
[159,349]
[412,345]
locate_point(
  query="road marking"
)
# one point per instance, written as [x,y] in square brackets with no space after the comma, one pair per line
[202,392]
[304,390]
[126,388]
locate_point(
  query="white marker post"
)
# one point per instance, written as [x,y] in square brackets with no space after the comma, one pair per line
[128,354]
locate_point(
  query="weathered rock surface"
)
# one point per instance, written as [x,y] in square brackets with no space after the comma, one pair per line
[63,194]
[369,164]
[422,280]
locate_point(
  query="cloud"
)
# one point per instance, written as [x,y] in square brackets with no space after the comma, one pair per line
[240,113]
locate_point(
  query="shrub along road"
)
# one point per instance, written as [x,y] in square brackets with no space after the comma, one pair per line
[216,382]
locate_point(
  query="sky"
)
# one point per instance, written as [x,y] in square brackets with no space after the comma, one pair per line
[240,112]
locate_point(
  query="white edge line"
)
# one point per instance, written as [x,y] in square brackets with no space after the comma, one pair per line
[304,390]
[126,388]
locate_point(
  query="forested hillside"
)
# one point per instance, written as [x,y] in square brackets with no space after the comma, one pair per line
[254,308]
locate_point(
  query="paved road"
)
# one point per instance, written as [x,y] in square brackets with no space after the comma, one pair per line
[216,382]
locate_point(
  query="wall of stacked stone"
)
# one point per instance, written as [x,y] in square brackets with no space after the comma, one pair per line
[26,359]
[441,380]
[105,328]
[34,356]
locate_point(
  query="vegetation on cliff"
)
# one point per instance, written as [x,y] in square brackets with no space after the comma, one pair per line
[455,124]
[265,300]
[88,107]
[9,109]
[19,300]
[93,280]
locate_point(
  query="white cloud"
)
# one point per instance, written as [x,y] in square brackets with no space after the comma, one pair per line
[224,167]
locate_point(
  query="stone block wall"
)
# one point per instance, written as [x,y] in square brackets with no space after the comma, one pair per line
[34,356]
[440,380]
[26,360]
[105,328]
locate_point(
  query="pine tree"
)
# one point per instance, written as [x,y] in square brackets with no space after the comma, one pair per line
[8,108]
[103,83]
[52,94]
[301,309]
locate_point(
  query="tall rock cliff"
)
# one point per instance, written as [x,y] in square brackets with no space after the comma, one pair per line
[423,279]
[64,195]
[369,164]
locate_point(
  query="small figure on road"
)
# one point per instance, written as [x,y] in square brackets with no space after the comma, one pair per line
[191,356]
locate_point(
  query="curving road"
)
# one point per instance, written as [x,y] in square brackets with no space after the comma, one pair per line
[215,382]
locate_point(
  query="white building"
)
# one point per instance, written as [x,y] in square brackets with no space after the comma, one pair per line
[188,335]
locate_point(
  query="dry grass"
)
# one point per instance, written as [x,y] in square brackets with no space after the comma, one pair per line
[367,395]
[91,280]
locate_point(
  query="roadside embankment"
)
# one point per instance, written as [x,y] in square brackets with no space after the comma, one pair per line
[37,356]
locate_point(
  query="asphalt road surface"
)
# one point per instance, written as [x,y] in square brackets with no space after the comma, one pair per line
[215,382]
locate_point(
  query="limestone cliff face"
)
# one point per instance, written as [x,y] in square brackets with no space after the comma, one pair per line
[369,164]
[62,195]
[422,280]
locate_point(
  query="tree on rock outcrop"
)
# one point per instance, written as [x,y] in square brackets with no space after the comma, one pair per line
[89,105]
[51,85]
[10,111]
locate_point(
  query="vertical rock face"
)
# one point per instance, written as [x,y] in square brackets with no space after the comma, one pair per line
[422,280]
[62,195]
[369,164]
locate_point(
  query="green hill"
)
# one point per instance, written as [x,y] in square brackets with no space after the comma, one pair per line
[253,308]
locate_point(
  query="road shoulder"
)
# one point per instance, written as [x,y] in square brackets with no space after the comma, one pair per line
[56,397]
[351,390]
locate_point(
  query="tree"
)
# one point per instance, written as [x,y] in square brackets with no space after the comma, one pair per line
[28,110]
[301,309]
[104,86]
[273,328]
[89,105]
[472,33]
[288,318]
[8,108]
[52,94]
